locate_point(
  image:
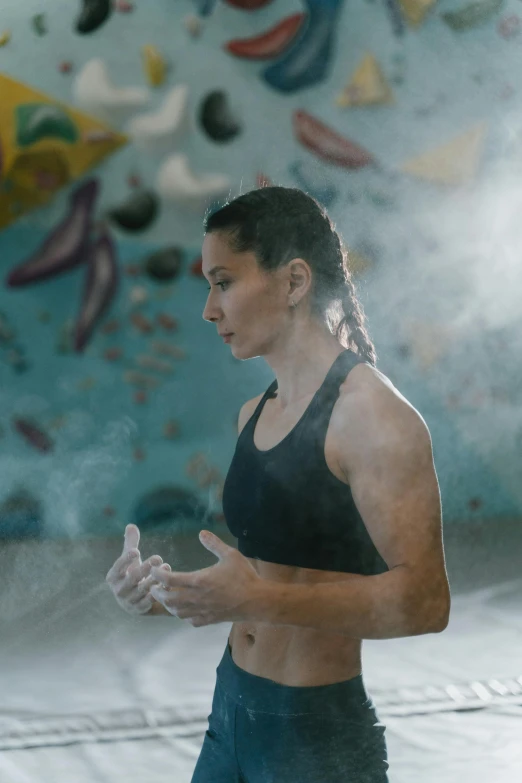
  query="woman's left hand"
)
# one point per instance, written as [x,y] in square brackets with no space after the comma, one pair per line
[220,593]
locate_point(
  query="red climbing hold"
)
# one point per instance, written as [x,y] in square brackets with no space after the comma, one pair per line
[262,181]
[270,43]
[33,434]
[327,144]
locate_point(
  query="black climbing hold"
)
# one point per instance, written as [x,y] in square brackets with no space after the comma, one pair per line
[217,119]
[137,213]
[93,14]
[165,264]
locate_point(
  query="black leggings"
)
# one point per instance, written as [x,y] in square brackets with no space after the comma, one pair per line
[263,732]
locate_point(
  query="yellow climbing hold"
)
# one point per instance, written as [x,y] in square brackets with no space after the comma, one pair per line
[38,159]
[154,65]
[368,85]
[358,263]
[454,163]
[414,11]
[5,38]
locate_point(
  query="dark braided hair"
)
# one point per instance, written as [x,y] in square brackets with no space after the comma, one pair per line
[278,224]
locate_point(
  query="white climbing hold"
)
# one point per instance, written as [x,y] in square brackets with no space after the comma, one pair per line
[159,131]
[94,91]
[176,182]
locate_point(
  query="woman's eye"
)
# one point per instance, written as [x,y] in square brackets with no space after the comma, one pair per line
[223,282]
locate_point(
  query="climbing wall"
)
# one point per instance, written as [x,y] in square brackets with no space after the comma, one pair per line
[122,123]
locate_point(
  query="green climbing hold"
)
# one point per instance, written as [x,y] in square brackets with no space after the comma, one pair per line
[472,15]
[39,25]
[35,121]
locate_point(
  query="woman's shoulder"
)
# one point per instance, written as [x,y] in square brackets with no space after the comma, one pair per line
[368,395]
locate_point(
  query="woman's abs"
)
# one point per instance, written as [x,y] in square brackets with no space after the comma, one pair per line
[294,656]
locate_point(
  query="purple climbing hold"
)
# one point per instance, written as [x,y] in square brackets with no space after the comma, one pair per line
[100,288]
[64,248]
[307,61]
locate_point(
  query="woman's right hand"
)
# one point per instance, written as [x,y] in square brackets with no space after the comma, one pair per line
[129,578]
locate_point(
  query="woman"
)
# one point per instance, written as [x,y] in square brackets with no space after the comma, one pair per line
[333,496]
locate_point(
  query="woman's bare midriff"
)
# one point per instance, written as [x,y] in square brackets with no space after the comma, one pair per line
[298,656]
[295,656]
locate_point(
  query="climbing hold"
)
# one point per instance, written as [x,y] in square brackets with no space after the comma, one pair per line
[472,15]
[206,7]
[216,117]
[142,324]
[110,327]
[168,349]
[165,264]
[94,91]
[154,65]
[159,131]
[39,24]
[509,27]
[453,163]
[123,6]
[269,44]
[152,363]
[93,14]
[138,295]
[193,25]
[65,67]
[176,182]
[134,181]
[65,246]
[262,181]
[396,17]
[171,429]
[167,322]
[248,5]
[328,144]
[33,434]
[307,61]
[21,516]
[137,213]
[101,286]
[415,10]
[140,379]
[35,121]
[112,354]
[367,86]
[170,505]
[98,136]
[5,38]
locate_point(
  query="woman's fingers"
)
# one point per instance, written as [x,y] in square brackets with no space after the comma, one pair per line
[135,574]
[120,566]
[131,538]
[149,580]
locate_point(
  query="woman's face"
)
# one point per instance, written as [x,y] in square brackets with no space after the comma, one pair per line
[243,299]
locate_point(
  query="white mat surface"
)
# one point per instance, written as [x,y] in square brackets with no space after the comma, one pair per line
[96,660]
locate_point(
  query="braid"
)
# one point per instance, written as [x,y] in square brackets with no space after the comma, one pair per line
[353,322]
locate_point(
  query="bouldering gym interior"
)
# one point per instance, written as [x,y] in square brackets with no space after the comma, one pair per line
[126,128]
